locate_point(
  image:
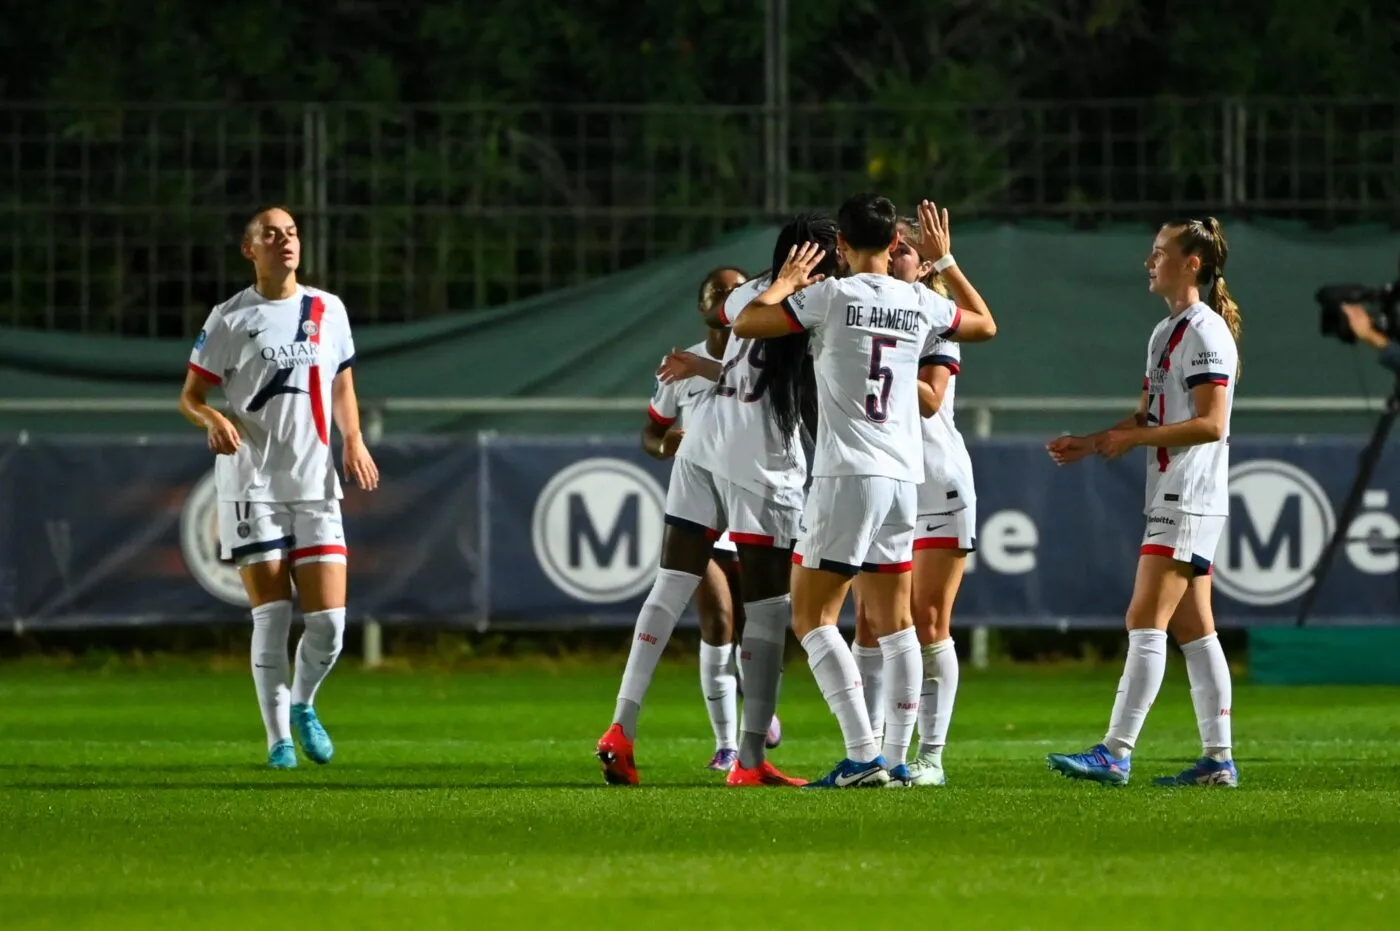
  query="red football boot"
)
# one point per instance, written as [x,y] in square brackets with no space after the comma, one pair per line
[764,774]
[615,753]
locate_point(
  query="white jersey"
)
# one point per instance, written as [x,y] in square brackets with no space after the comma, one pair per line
[276,361]
[947,466]
[1190,349]
[736,437]
[677,401]
[868,334]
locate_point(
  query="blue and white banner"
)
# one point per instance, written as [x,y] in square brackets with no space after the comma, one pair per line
[566,532]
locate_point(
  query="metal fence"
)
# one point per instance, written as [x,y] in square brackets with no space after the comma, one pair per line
[125,218]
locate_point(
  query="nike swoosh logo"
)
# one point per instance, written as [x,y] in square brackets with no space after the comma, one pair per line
[1157,534]
[852,779]
[932,527]
[253,334]
[257,666]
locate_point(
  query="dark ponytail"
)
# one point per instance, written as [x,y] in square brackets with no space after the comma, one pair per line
[785,357]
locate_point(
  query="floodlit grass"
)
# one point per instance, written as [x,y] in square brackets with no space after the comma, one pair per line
[137,799]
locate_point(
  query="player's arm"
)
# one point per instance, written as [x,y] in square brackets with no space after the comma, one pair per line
[972,323]
[1207,426]
[783,308]
[933,387]
[345,411]
[1070,448]
[659,439]
[206,369]
[679,365]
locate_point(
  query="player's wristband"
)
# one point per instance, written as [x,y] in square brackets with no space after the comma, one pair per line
[945,263]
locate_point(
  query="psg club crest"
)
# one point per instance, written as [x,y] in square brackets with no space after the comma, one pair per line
[243,530]
[309,327]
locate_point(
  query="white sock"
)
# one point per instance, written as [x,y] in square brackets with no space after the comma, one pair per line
[272,625]
[317,652]
[871,663]
[905,671]
[936,701]
[718,685]
[1137,690]
[761,658]
[1209,675]
[839,681]
[670,593]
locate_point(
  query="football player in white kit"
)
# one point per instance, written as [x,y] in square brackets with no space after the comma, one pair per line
[282,353]
[718,601]
[870,332]
[1183,419]
[946,534]
[741,470]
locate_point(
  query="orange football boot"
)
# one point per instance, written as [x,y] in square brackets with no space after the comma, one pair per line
[615,753]
[764,774]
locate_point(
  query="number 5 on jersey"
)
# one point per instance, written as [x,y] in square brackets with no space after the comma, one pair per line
[877,405]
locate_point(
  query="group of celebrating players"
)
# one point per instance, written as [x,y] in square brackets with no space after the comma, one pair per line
[848,344]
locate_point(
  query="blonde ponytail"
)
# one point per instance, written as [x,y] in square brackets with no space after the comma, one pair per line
[1220,300]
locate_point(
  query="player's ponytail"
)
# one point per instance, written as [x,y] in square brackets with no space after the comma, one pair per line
[785,357]
[1206,239]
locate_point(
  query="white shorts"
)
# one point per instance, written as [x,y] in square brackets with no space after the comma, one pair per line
[858,523]
[1190,538]
[950,530]
[699,500]
[302,531]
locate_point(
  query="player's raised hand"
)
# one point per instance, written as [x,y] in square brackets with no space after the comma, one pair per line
[796,272]
[937,239]
[678,365]
[223,435]
[359,465]
[1069,449]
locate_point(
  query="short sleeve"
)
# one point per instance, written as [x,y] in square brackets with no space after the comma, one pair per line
[347,343]
[809,307]
[665,403]
[939,350]
[944,315]
[1208,356]
[212,354]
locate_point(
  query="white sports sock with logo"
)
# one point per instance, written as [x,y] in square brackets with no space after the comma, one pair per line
[761,657]
[317,652]
[272,626]
[871,663]
[1209,675]
[905,671]
[835,670]
[1143,672]
[717,683]
[936,700]
[670,593]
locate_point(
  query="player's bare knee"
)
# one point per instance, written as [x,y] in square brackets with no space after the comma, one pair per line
[766,571]
[685,550]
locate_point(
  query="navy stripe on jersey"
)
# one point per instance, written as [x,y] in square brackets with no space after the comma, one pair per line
[947,362]
[302,335]
[1207,378]
[345,365]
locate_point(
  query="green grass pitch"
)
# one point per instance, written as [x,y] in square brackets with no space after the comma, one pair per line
[136,799]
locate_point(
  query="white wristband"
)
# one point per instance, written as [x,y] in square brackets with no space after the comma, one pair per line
[945,263]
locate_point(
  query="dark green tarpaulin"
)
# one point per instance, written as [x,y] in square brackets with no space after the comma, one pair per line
[1073,308]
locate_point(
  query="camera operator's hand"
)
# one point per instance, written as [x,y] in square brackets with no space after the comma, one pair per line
[1363,326]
